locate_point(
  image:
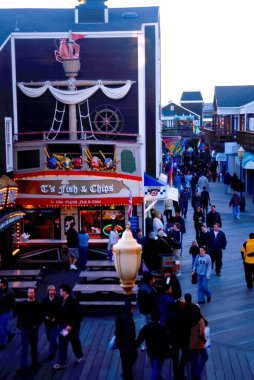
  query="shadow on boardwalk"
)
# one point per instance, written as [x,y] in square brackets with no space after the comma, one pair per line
[230,316]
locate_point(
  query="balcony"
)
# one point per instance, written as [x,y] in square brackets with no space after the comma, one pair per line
[246,139]
[217,138]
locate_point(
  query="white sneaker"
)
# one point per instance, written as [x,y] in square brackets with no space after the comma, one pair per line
[178,274]
[74,267]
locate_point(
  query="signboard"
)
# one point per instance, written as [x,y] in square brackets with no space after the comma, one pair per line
[221,157]
[172,193]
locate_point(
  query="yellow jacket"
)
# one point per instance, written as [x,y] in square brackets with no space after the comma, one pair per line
[247,251]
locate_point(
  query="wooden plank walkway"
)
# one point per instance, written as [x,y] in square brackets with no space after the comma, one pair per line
[230,316]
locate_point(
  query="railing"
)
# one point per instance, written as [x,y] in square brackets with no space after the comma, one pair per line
[246,139]
[79,136]
[216,138]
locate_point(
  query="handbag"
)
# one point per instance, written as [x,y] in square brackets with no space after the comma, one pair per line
[112,343]
[194,278]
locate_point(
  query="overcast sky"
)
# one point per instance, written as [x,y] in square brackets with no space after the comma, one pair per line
[205,43]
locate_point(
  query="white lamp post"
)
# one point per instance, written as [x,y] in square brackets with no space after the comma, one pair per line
[127,259]
[240,154]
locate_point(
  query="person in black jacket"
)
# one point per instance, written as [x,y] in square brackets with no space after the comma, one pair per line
[125,333]
[7,305]
[155,336]
[198,218]
[213,217]
[30,316]
[217,242]
[51,306]
[73,245]
[69,326]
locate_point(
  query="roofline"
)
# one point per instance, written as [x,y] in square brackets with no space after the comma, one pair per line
[187,109]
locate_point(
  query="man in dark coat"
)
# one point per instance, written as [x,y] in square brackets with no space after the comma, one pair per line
[30,316]
[51,306]
[155,336]
[213,217]
[73,245]
[125,333]
[217,242]
[7,304]
[69,326]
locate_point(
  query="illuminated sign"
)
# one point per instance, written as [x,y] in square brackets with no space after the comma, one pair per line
[10,219]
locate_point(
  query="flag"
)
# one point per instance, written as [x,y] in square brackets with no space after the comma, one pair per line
[200,143]
[171,141]
[170,171]
[130,206]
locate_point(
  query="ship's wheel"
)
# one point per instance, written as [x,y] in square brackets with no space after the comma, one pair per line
[108,119]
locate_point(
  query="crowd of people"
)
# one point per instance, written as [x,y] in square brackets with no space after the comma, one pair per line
[173,325]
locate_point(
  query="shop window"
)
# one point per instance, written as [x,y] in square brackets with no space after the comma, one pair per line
[28,159]
[91,219]
[42,224]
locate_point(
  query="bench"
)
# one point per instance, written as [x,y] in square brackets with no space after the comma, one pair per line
[100,264]
[104,303]
[20,285]
[99,275]
[20,274]
[101,288]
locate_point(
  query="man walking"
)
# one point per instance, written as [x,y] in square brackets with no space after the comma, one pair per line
[69,326]
[247,252]
[29,319]
[213,217]
[202,266]
[217,242]
[73,245]
[51,306]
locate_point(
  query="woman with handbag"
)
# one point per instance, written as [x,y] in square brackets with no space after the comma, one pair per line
[202,266]
[198,352]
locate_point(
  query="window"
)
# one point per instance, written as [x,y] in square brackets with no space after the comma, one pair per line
[8,144]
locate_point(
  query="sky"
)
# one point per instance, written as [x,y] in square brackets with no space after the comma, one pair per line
[204,43]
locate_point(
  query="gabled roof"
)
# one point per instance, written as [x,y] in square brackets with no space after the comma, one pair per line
[190,96]
[233,96]
[178,110]
[63,20]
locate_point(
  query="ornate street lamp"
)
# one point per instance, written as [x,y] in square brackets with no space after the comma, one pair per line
[241,153]
[127,259]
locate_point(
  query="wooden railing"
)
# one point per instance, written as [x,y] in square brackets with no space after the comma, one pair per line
[246,139]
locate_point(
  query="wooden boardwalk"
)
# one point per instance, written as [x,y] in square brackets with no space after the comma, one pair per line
[230,315]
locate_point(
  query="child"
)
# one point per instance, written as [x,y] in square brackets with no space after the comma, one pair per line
[194,250]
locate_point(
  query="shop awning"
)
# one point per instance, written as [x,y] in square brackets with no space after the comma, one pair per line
[150,181]
[248,161]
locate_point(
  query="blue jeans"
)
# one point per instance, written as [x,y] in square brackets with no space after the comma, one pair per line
[198,360]
[156,367]
[236,211]
[203,288]
[29,336]
[52,334]
[83,254]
